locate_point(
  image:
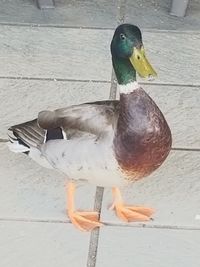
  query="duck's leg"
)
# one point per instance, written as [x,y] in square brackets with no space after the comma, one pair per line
[84,221]
[129,213]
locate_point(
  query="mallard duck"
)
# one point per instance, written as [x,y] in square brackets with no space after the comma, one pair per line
[107,143]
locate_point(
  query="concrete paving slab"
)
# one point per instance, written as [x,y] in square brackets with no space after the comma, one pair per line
[55,53]
[29,191]
[155,15]
[125,246]
[72,13]
[21,100]
[173,191]
[42,244]
[85,54]
[147,14]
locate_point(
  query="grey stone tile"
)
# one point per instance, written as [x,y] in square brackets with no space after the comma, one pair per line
[172,190]
[42,244]
[124,246]
[147,14]
[85,54]
[29,191]
[55,53]
[88,13]
[21,100]
[154,14]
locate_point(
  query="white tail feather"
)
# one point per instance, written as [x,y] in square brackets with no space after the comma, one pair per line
[14,146]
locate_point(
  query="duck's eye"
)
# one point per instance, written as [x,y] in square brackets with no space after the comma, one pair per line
[138,57]
[122,36]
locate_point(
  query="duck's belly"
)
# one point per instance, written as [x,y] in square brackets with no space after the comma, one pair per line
[82,160]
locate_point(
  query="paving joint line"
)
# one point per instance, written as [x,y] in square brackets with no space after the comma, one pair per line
[122,11]
[35,25]
[185,149]
[154,226]
[169,84]
[137,226]
[31,220]
[94,238]
[53,79]
[95,81]
[150,30]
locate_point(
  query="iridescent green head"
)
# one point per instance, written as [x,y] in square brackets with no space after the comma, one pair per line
[128,55]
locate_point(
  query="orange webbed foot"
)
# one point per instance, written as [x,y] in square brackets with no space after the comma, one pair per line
[130,213]
[83,220]
[133,213]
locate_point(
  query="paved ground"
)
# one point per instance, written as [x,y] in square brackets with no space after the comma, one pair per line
[66,60]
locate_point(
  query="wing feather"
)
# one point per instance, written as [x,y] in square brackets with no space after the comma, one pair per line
[90,118]
[94,118]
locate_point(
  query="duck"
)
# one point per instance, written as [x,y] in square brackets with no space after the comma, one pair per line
[110,143]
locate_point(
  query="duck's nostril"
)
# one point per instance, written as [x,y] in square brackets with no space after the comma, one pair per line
[150,77]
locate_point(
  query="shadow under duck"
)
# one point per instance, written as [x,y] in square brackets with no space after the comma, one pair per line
[107,143]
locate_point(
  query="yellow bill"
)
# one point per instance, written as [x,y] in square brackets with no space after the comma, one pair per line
[141,64]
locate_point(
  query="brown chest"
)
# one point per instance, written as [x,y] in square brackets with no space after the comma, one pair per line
[143,138]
